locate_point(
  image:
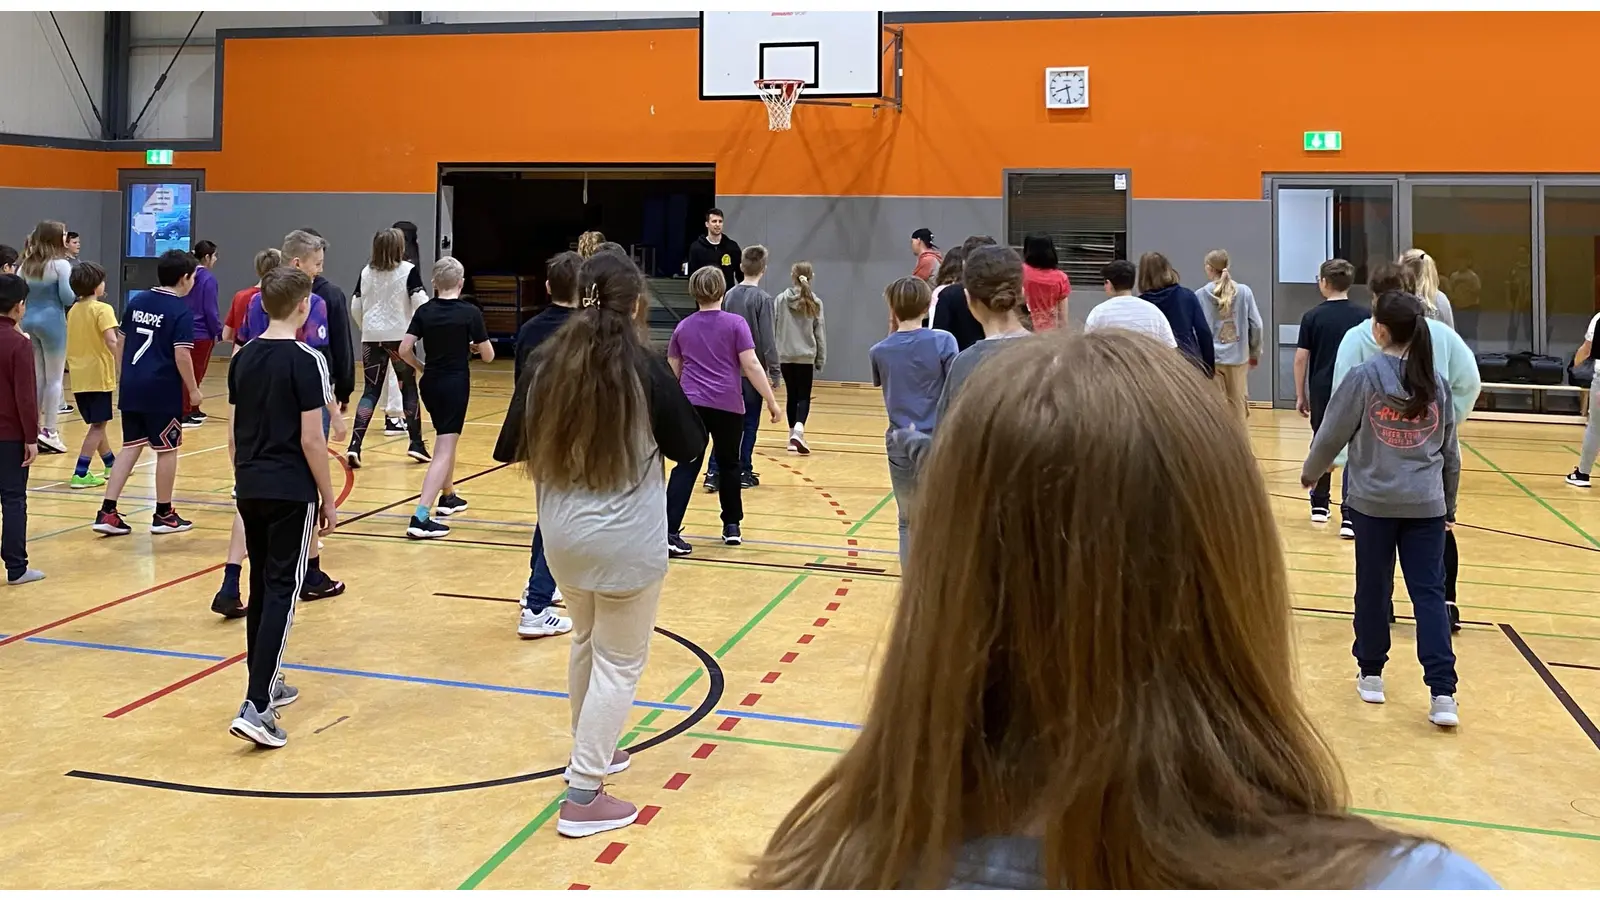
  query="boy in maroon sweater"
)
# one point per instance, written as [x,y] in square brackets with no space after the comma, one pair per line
[19,416]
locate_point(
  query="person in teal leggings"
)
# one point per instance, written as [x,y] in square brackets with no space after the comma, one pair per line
[48,270]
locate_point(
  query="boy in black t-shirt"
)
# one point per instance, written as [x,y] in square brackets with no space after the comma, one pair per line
[277,388]
[1322,329]
[452,329]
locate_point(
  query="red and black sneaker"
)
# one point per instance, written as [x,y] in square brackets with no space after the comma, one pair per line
[318,586]
[110,523]
[169,523]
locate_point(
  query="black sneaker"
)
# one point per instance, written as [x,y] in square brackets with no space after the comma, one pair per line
[423,529]
[1347,531]
[713,484]
[192,421]
[677,546]
[393,427]
[419,452]
[749,480]
[1578,479]
[318,586]
[731,536]
[171,523]
[353,457]
[1455,617]
[199,414]
[449,505]
[228,605]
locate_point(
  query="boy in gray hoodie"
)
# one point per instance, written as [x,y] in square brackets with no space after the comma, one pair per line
[1394,412]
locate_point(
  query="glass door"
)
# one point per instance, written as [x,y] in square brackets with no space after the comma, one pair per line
[157,216]
[1314,220]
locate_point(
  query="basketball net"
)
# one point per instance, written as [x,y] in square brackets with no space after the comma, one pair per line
[779,94]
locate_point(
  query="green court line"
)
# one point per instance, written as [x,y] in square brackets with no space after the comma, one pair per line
[1500,584]
[1465,565]
[500,856]
[1535,497]
[1512,609]
[756,619]
[1570,637]
[744,740]
[1469,823]
[870,513]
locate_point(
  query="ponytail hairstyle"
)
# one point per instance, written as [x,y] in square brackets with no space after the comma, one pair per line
[801,273]
[589,242]
[993,278]
[1426,275]
[592,413]
[1402,315]
[1225,290]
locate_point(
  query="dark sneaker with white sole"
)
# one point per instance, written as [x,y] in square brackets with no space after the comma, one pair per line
[419,452]
[319,585]
[110,523]
[449,505]
[393,427]
[260,728]
[713,484]
[1577,479]
[1347,531]
[228,605]
[353,457]
[169,523]
[731,535]
[424,529]
[677,547]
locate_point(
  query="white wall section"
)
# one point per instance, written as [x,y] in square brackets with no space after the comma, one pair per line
[39,92]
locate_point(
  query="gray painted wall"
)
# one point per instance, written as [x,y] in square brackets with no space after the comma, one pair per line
[93,214]
[858,246]
[242,223]
[1186,230]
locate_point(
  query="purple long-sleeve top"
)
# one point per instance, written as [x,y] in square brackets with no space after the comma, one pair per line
[202,300]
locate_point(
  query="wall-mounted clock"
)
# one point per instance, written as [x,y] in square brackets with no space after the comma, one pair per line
[1066,87]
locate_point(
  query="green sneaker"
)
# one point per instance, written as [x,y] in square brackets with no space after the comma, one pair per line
[86,480]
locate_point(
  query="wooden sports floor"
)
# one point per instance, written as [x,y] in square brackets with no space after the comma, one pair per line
[426,748]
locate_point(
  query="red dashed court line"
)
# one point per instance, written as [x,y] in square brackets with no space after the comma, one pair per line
[819,623]
[789,657]
[646,814]
[841,592]
[728,723]
[832,607]
[577,887]
[769,678]
[750,700]
[610,853]
[805,639]
[676,781]
[157,695]
[703,751]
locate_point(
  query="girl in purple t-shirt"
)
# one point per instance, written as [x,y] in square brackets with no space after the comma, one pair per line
[708,352]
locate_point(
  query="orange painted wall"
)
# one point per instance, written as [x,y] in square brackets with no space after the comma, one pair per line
[1197,107]
[39,167]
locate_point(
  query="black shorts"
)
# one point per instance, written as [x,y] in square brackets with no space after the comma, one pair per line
[445,395]
[94,406]
[162,431]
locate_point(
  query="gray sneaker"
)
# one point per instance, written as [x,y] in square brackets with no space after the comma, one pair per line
[258,727]
[282,693]
[1370,687]
[1444,712]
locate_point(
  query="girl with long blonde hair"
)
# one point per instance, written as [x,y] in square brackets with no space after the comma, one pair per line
[1090,679]
[47,267]
[802,340]
[1235,322]
[1425,272]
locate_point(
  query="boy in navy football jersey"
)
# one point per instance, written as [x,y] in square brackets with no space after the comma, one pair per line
[157,373]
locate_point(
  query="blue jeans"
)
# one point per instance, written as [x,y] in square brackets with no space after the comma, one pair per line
[541,590]
[903,476]
[1420,544]
[752,422]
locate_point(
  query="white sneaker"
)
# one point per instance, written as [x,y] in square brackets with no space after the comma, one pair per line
[1370,687]
[1444,712]
[52,440]
[542,624]
[1319,516]
[797,440]
[1347,531]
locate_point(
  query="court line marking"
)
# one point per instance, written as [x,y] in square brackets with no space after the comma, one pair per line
[1535,497]
[1550,681]
[1575,666]
[155,695]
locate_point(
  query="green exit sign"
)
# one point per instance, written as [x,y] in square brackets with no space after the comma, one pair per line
[158,157]
[1324,140]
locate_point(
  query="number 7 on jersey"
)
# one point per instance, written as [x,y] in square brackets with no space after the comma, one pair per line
[149,338]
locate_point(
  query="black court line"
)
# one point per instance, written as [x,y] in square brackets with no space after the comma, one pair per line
[493,599]
[1515,534]
[415,497]
[1346,612]
[1550,681]
[1575,666]
[709,703]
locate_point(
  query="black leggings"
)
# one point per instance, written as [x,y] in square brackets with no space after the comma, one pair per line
[798,378]
[726,430]
[375,361]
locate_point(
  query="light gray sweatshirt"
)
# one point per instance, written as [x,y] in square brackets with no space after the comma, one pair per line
[1236,336]
[1399,468]
[755,306]
[801,338]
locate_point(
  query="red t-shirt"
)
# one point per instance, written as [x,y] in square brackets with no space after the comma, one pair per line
[237,309]
[1045,290]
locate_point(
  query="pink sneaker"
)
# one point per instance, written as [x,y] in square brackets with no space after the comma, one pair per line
[603,813]
[620,761]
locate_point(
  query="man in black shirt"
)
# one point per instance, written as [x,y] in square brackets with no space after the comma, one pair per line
[952,314]
[277,389]
[452,329]
[1322,329]
[716,249]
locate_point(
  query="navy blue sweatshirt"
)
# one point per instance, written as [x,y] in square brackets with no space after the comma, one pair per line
[1188,320]
[340,351]
[537,330]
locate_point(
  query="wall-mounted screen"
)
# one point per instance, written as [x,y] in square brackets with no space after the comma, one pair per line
[160,218]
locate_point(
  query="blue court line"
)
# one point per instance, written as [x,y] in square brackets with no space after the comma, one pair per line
[85,645]
[793,720]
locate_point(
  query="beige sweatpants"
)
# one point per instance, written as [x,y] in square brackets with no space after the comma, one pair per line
[610,643]
[1231,379]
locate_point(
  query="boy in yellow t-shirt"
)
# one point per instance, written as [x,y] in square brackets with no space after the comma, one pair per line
[93,349]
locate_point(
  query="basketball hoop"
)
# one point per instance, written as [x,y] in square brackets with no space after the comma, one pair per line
[779,94]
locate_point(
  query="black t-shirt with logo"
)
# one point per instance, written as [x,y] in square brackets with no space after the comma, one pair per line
[447,329]
[270,383]
[1322,328]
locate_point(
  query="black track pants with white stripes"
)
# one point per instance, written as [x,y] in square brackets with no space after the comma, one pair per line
[277,536]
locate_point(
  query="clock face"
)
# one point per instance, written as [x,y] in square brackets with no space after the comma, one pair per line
[1067,88]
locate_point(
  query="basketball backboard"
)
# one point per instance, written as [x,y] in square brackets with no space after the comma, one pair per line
[836,54]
